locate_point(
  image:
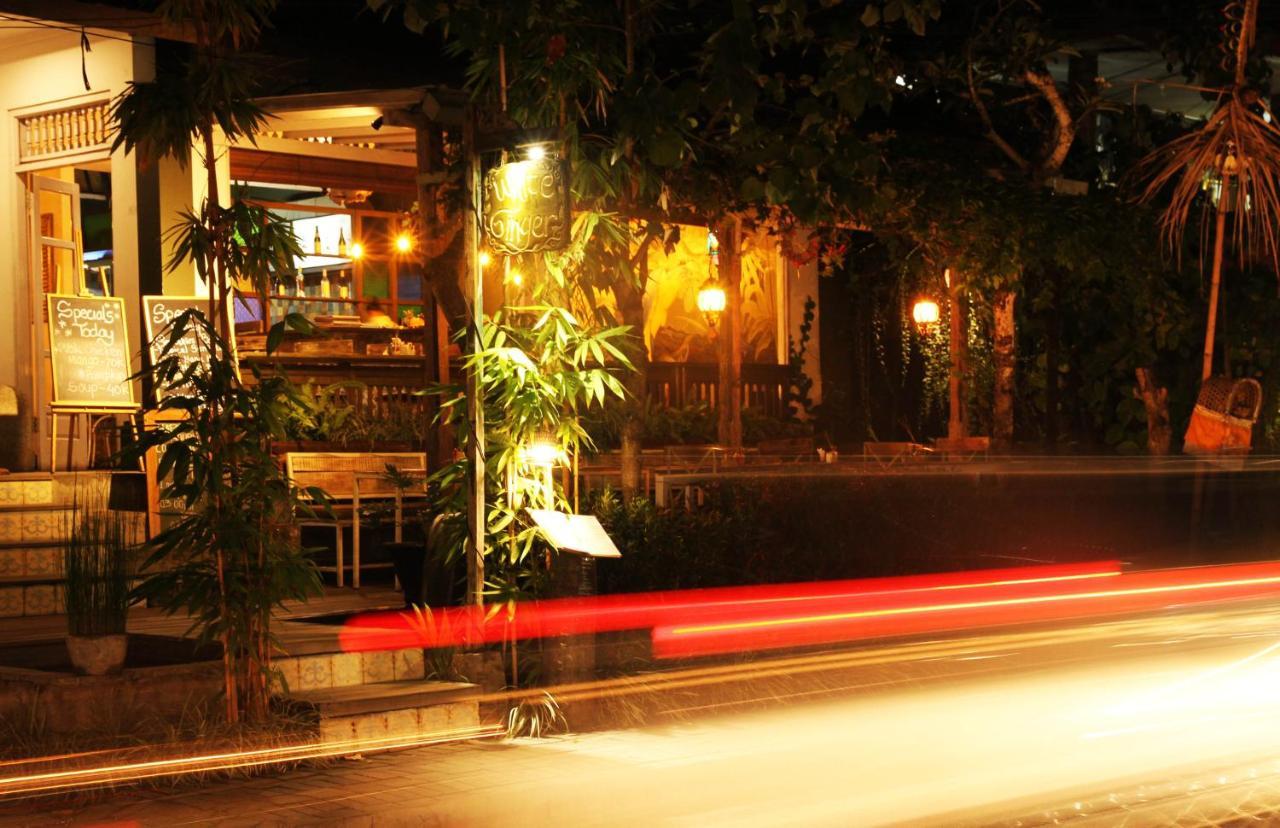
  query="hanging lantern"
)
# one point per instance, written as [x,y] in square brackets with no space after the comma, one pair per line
[711,301]
[1222,181]
[926,314]
[711,297]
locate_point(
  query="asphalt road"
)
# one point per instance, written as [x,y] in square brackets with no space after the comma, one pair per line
[988,728]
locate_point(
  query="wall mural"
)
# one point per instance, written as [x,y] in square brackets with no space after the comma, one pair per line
[675,330]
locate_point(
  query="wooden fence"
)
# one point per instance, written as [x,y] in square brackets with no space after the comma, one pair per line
[678,384]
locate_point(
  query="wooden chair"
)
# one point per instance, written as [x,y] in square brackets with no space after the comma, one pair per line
[963,448]
[890,453]
[787,449]
[347,478]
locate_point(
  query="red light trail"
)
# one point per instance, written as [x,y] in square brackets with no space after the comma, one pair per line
[738,619]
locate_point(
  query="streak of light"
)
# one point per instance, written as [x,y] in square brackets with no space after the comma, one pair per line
[464,626]
[1023,602]
[125,772]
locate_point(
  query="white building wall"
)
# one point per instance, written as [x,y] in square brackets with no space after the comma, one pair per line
[43,69]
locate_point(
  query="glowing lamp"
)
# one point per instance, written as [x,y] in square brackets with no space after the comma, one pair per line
[711,299]
[536,152]
[485,258]
[926,314]
[515,278]
[404,243]
[357,250]
[542,451]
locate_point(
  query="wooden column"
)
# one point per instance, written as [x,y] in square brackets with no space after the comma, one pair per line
[475,407]
[729,431]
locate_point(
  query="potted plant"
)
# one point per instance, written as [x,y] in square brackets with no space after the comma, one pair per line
[97,562]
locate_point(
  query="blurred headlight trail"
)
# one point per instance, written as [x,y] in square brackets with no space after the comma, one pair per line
[461,626]
[709,622]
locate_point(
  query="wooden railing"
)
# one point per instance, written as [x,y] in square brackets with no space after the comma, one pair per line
[64,131]
[670,384]
[679,384]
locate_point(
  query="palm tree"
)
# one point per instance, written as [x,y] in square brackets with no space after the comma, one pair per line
[1235,158]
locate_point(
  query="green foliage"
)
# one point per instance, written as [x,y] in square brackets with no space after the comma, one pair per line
[98,561]
[536,717]
[234,557]
[691,425]
[226,565]
[538,370]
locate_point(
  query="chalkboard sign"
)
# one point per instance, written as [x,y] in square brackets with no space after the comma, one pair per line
[89,348]
[160,311]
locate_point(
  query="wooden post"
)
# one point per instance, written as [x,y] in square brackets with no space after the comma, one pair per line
[475,406]
[429,151]
[729,430]
[1206,367]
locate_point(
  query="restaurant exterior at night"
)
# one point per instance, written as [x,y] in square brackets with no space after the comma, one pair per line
[84,264]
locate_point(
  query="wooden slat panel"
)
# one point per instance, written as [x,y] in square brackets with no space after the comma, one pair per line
[281,168]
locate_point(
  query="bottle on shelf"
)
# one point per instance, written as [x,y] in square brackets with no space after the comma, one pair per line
[301,284]
[324,283]
[315,242]
[342,244]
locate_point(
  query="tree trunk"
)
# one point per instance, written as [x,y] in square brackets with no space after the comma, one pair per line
[1156,401]
[1003,355]
[631,306]
[958,352]
[729,426]
[1052,344]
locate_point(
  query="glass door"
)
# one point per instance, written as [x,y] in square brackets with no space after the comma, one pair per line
[56,266]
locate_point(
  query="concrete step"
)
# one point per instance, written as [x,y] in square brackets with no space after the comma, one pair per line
[395,708]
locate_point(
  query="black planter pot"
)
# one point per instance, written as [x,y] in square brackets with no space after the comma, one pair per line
[410,560]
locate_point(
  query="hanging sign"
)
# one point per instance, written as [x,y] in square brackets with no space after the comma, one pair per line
[89,351]
[526,206]
[160,311]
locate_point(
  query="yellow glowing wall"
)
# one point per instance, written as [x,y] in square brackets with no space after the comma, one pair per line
[674,329]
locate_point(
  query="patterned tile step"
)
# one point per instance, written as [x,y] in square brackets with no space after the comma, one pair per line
[26,492]
[30,599]
[320,672]
[33,524]
[36,561]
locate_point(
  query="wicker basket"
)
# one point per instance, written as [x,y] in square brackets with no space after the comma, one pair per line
[1223,419]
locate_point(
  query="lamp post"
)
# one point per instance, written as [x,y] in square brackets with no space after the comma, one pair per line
[1222,185]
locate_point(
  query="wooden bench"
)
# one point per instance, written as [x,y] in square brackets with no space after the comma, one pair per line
[347,478]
